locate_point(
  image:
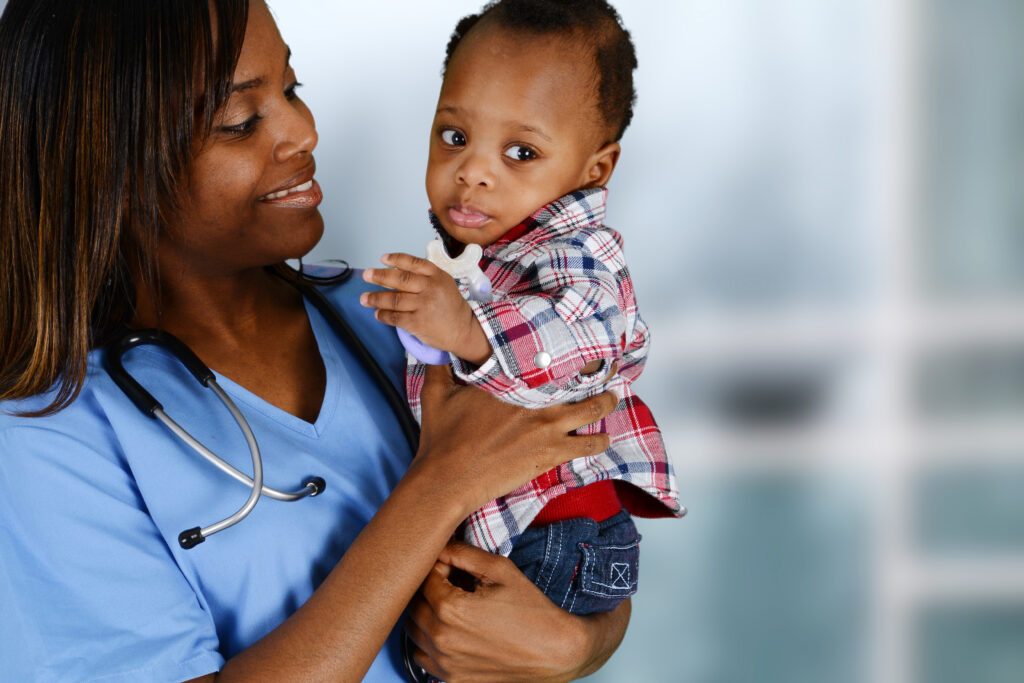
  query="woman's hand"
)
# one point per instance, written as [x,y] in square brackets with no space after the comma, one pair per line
[477,447]
[506,629]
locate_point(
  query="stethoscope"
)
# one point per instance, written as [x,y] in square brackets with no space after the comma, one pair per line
[313,486]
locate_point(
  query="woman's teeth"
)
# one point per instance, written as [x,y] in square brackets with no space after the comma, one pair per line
[292,190]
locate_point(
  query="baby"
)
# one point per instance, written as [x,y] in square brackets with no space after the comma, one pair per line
[536,96]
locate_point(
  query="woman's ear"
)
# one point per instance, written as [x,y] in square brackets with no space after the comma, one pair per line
[601,165]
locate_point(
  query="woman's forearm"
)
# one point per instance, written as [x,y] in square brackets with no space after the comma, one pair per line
[337,634]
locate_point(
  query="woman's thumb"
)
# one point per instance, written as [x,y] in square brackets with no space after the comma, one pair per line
[482,565]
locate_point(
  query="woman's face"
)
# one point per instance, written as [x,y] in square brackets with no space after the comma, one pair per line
[250,198]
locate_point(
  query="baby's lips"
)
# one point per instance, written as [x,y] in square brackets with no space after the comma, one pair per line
[466,217]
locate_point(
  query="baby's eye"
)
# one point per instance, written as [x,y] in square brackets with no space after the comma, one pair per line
[453,137]
[521,153]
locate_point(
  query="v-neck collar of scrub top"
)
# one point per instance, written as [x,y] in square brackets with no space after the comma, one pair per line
[336,376]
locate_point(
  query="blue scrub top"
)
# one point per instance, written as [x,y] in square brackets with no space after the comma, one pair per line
[93,584]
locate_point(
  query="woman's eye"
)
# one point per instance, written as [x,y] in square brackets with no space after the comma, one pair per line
[520,153]
[243,128]
[452,137]
[290,93]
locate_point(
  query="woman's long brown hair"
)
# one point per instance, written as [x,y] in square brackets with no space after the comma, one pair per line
[101,105]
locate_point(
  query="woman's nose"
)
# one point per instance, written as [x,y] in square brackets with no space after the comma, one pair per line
[475,171]
[298,136]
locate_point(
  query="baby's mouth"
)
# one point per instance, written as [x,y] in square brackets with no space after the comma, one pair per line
[467,217]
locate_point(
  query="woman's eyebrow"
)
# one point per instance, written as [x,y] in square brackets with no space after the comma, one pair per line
[246,85]
[258,82]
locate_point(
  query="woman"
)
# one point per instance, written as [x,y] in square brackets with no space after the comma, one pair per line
[156,170]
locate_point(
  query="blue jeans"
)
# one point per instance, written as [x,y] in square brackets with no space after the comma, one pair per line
[582,565]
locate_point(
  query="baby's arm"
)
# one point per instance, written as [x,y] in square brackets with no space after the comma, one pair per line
[554,342]
[557,340]
[426,302]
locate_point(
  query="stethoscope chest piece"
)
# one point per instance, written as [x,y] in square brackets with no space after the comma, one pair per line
[149,406]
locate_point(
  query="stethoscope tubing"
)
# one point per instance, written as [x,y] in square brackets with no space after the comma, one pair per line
[256,487]
[144,401]
[308,489]
[149,406]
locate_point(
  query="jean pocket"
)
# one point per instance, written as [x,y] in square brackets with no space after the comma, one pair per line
[610,570]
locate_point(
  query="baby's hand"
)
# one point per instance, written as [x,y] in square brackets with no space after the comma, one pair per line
[425,301]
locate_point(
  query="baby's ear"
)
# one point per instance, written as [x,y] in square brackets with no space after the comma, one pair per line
[601,165]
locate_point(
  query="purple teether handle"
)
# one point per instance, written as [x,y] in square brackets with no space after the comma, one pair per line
[422,352]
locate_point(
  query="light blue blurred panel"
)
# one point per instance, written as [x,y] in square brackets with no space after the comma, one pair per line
[766,581]
[981,380]
[974,152]
[971,644]
[971,509]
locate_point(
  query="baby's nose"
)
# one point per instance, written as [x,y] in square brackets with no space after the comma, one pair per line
[476,172]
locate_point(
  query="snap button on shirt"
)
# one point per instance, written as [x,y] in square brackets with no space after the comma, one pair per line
[542,359]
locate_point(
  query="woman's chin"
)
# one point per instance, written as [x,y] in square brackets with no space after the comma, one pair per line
[303,239]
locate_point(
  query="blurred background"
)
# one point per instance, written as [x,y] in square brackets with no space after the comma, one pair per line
[823,211]
[823,208]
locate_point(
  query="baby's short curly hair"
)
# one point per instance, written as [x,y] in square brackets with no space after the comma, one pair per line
[595,22]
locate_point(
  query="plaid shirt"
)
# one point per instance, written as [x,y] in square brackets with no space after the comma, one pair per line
[563,298]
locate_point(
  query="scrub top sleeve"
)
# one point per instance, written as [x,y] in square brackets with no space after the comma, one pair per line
[88,588]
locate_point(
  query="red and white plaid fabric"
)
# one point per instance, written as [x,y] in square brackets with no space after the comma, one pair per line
[563,294]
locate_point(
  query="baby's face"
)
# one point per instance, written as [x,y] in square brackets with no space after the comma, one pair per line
[516,127]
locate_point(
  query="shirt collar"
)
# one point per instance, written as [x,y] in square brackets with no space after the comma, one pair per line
[574,211]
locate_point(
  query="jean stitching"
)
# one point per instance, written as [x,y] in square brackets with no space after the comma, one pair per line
[588,578]
[550,561]
[565,597]
[618,547]
[621,594]
[542,575]
[629,586]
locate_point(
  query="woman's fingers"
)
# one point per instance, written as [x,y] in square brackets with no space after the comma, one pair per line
[583,445]
[507,629]
[436,589]
[569,417]
[487,446]
[482,565]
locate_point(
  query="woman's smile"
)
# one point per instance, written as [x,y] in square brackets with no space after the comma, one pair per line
[306,195]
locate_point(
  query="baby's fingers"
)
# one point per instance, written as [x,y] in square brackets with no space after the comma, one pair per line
[414,264]
[396,278]
[392,300]
[395,318]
